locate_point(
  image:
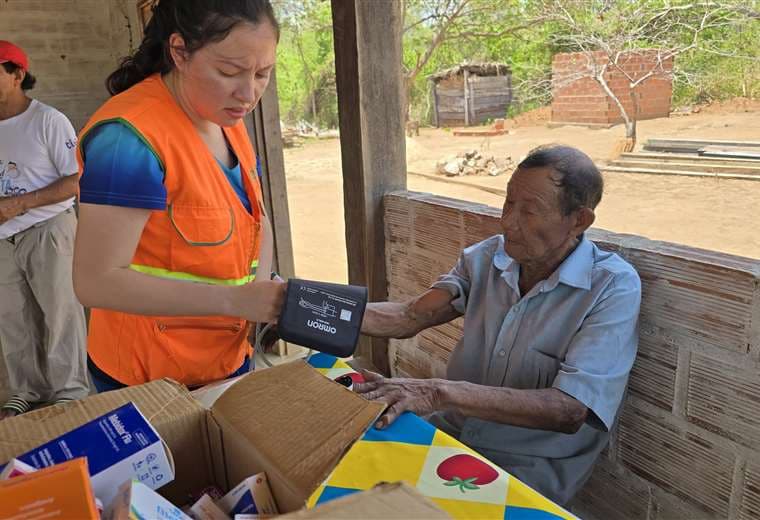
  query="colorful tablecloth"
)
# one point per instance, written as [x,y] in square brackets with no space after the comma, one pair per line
[455,477]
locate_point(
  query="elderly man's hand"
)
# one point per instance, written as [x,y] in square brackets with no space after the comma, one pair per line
[10,208]
[421,396]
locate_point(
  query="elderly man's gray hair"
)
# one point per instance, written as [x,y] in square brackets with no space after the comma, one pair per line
[579,178]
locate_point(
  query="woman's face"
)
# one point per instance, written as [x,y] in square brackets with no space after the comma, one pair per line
[223,81]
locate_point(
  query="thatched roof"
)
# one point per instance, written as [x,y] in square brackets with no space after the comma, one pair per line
[480,69]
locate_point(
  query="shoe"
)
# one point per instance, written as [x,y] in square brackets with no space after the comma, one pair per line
[13,407]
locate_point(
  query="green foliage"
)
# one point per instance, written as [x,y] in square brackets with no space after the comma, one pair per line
[305,62]
[727,65]
[707,76]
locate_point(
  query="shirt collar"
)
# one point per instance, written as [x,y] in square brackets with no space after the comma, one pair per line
[574,271]
[505,263]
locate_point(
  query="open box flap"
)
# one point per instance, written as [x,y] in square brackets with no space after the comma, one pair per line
[298,422]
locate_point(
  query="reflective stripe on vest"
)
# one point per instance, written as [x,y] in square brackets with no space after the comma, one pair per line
[188,277]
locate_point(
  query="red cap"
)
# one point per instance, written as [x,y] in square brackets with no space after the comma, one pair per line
[12,53]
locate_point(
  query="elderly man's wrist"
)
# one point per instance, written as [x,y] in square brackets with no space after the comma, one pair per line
[448,394]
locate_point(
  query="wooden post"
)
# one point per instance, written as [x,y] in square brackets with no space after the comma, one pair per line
[264,128]
[466,98]
[436,121]
[473,103]
[369,81]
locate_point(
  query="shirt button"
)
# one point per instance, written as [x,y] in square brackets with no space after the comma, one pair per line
[502,353]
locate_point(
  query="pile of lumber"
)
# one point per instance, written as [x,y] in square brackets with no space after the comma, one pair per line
[693,158]
[697,146]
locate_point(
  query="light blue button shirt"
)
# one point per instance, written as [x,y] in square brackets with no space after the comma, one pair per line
[576,331]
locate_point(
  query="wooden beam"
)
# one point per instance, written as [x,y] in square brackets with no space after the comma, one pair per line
[434,88]
[369,81]
[264,127]
[467,117]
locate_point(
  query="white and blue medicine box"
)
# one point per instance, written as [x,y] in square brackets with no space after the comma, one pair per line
[120,446]
[251,496]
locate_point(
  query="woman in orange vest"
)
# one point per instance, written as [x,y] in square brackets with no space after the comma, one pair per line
[172,229]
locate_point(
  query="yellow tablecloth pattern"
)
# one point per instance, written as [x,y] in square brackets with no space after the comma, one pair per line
[455,477]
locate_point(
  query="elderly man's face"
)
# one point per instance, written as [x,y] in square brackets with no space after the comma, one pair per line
[535,228]
[9,83]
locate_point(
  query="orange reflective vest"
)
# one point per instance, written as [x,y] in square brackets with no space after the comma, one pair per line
[205,235]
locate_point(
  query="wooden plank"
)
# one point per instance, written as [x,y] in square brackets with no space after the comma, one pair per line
[693,166]
[265,131]
[735,152]
[466,88]
[435,105]
[692,145]
[689,158]
[493,96]
[452,104]
[449,91]
[653,171]
[489,80]
[458,115]
[349,121]
[501,91]
[367,39]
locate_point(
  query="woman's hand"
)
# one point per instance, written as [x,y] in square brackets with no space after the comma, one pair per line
[260,301]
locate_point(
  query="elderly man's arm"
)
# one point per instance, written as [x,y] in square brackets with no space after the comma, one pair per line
[60,190]
[545,409]
[404,320]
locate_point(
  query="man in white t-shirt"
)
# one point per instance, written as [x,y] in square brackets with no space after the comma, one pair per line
[42,324]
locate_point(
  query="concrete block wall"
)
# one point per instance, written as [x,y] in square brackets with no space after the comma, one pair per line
[72,45]
[687,445]
[578,98]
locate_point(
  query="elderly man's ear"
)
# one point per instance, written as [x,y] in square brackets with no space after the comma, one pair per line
[584,218]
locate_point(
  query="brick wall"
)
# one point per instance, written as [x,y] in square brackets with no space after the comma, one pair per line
[579,99]
[687,444]
[72,45]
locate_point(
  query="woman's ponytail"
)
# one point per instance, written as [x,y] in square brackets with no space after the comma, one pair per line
[152,56]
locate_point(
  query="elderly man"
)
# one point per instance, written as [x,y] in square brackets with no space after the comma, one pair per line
[42,325]
[550,332]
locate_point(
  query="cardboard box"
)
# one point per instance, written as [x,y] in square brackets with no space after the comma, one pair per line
[397,501]
[119,445]
[58,492]
[251,497]
[288,422]
[136,501]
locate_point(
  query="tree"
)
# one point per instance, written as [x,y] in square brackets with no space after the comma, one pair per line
[305,63]
[431,24]
[608,33]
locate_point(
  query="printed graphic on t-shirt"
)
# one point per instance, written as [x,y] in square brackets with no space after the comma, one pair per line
[10,174]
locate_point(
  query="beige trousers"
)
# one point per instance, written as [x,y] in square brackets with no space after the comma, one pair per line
[42,324]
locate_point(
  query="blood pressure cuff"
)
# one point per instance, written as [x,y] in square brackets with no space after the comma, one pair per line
[326,317]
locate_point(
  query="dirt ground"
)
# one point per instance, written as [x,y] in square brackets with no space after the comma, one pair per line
[706,213]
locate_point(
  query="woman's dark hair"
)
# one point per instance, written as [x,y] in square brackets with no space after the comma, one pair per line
[199,22]
[28,82]
[579,178]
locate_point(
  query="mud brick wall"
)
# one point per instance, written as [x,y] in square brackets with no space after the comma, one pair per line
[687,445]
[578,99]
[72,45]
